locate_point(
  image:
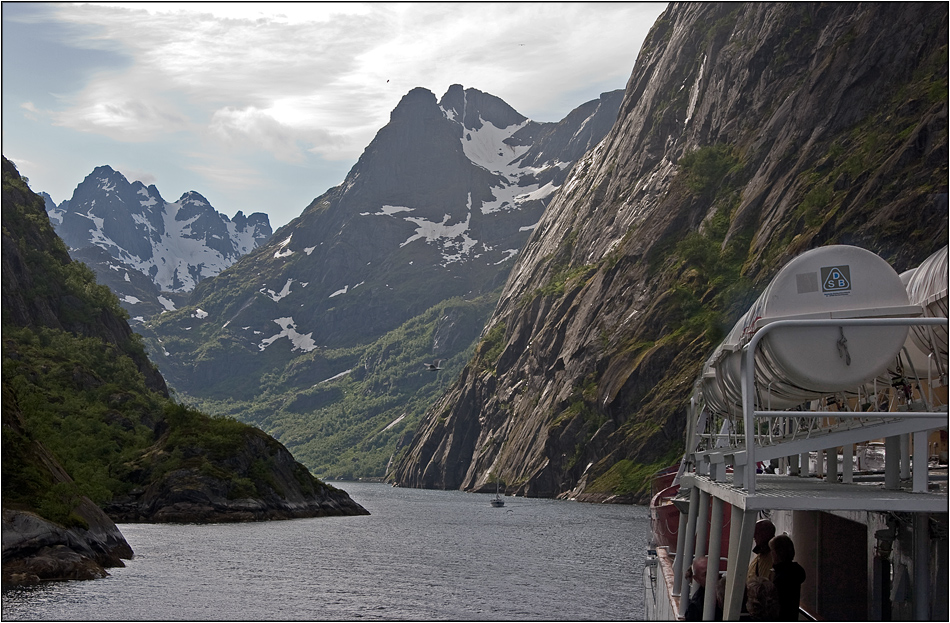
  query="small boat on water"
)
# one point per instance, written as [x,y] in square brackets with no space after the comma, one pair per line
[824,411]
[497,501]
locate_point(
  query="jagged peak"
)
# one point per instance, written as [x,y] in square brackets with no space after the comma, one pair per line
[195,198]
[419,98]
[471,107]
[104,169]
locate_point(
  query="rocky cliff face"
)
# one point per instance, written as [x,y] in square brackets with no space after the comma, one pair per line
[748,133]
[147,249]
[434,211]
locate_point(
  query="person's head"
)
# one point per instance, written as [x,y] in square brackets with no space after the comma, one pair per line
[764,532]
[697,571]
[761,599]
[783,550]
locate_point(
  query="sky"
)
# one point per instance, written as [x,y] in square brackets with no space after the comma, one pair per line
[262,107]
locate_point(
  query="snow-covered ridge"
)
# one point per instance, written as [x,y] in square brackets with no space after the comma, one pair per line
[175,244]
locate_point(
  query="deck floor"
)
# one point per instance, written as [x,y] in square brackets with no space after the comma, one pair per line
[778,492]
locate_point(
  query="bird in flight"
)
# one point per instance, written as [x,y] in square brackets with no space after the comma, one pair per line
[434,365]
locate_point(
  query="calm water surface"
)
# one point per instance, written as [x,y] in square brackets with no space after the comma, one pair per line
[420,555]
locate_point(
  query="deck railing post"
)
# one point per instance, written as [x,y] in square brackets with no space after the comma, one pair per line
[746,369]
[678,569]
[892,466]
[688,545]
[921,458]
[740,551]
[905,456]
[847,463]
[793,462]
[702,524]
[832,465]
[715,553]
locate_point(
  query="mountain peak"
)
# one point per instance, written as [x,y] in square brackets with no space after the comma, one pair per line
[103,170]
[471,107]
[141,245]
[412,103]
[193,197]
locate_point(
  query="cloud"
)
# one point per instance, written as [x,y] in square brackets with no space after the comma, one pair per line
[120,107]
[256,128]
[228,174]
[311,66]
[230,93]
[32,112]
[135,175]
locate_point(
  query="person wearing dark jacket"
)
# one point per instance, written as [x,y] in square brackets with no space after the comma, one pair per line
[788,577]
[694,610]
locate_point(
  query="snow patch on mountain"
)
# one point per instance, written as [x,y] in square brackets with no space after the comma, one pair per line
[183,258]
[168,304]
[149,200]
[453,239]
[396,421]
[334,377]
[388,210]
[486,147]
[513,197]
[276,296]
[509,253]
[289,330]
[282,250]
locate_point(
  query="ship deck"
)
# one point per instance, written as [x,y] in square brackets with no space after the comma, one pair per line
[780,492]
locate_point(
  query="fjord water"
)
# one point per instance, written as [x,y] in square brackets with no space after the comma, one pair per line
[420,555]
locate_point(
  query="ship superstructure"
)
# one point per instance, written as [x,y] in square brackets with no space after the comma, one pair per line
[824,410]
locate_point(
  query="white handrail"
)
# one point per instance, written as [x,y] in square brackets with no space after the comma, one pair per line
[747,370]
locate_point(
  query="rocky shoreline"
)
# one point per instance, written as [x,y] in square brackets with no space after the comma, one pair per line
[204,501]
[37,550]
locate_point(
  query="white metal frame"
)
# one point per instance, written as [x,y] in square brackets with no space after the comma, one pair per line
[709,478]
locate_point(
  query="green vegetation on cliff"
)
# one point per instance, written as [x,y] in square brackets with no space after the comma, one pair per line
[362,403]
[76,381]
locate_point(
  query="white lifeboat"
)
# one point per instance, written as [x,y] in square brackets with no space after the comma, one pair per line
[794,365]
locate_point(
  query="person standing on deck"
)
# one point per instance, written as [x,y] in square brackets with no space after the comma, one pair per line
[761,565]
[788,577]
[697,571]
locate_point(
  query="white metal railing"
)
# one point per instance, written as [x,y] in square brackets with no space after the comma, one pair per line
[744,473]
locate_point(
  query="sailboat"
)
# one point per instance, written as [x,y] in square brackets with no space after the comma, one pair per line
[497,501]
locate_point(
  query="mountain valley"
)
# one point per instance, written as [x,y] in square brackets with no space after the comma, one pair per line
[319,336]
[568,279]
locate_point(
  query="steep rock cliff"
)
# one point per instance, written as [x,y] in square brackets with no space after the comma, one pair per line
[748,133]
